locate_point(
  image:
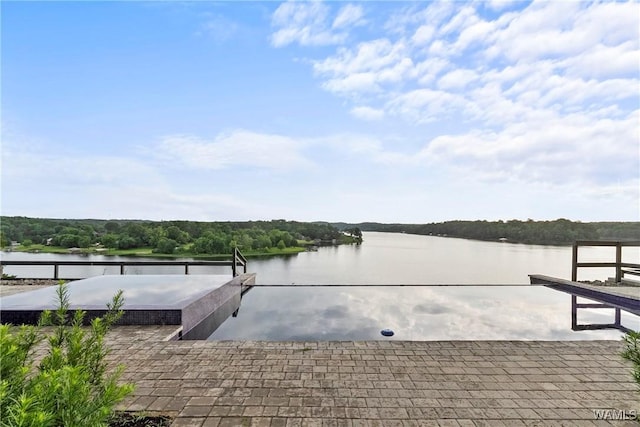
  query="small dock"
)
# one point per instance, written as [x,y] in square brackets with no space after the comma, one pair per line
[618,298]
[622,297]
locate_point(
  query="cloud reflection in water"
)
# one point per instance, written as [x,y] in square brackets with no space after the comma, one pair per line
[413,313]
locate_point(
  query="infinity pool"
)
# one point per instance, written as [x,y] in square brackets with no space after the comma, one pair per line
[315,313]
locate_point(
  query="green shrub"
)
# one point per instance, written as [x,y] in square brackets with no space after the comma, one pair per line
[71,386]
[632,353]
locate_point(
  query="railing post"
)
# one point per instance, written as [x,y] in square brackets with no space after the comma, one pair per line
[618,262]
[574,263]
[233,262]
[574,312]
[55,271]
[186,268]
[122,268]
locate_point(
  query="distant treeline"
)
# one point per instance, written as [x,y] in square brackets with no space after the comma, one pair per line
[166,236]
[557,232]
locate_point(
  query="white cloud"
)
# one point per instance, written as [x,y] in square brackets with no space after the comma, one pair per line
[425,105]
[73,184]
[310,23]
[360,82]
[603,62]
[236,148]
[502,4]
[464,17]
[370,56]
[367,113]
[457,79]
[553,29]
[427,70]
[403,21]
[366,67]
[570,150]
[423,34]
[548,57]
[348,15]
[478,33]
[541,92]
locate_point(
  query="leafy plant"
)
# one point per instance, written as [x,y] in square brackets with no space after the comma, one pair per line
[631,352]
[71,385]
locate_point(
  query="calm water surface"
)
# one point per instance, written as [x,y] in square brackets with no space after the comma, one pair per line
[383,258]
[304,313]
[358,311]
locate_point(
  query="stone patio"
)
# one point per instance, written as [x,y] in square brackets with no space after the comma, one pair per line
[374,383]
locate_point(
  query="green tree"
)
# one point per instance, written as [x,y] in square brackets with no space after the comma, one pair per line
[68,240]
[176,234]
[218,244]
[357,232]
[112,227]
[84,241]
[166,246]
[245,242]
[154,234]
[263,242]
[109,240]
[4,241]
[136,231]
[201,246]
[127,242]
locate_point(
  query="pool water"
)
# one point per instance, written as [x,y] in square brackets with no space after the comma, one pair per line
[313,313]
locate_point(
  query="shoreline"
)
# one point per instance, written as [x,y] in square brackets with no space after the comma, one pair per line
[142,252]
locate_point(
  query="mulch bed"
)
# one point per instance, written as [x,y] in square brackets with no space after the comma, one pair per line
[129,419]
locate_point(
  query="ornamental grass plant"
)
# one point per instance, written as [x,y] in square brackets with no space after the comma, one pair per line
[631,352]
[71,385]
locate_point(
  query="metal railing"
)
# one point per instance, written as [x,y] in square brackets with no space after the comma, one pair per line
[237,260]
[621,268]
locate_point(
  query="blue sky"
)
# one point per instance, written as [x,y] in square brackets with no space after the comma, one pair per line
[336,111]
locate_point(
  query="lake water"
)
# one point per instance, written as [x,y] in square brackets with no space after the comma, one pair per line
[513,310]
[383,258]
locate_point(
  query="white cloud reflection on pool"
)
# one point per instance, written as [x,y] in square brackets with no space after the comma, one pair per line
[413,313]
[138,291]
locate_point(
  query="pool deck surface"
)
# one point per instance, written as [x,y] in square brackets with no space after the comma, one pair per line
[373,383]
[5,291]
